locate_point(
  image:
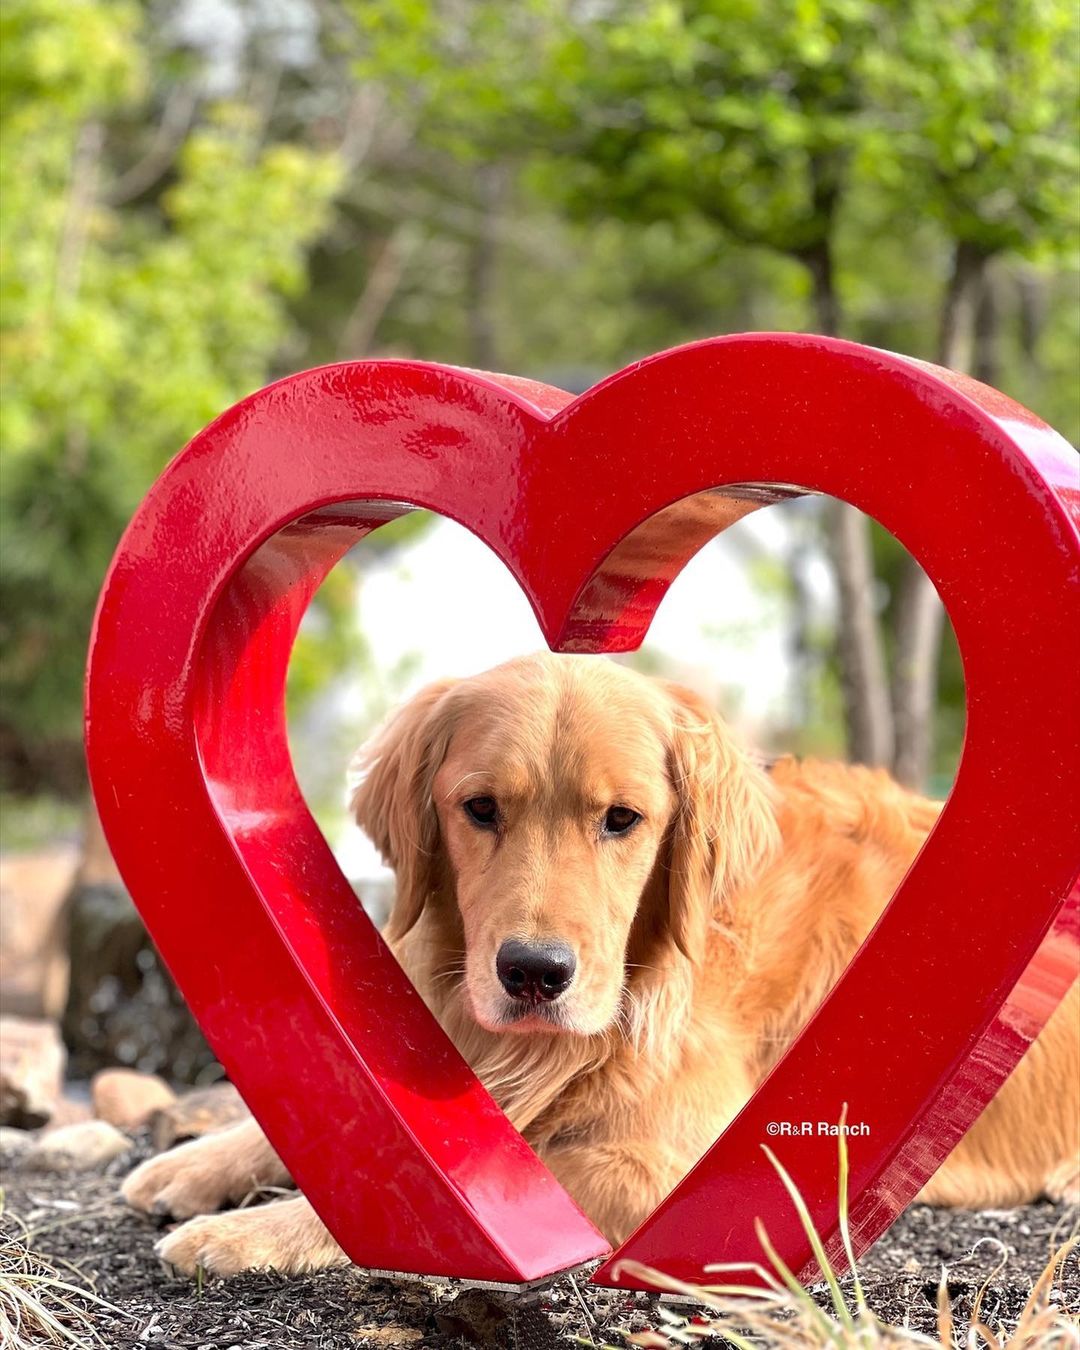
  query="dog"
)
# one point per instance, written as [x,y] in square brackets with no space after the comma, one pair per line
[622,920]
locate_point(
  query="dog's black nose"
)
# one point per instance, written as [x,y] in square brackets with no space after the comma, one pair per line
[536,971]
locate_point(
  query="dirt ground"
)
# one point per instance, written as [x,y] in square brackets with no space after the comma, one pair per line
[80,1225]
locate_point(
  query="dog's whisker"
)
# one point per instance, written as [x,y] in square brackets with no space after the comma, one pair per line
[476,773]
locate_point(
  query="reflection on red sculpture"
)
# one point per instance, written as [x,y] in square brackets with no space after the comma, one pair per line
[594,505]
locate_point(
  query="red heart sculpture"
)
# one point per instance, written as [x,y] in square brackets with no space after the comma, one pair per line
[385,1128]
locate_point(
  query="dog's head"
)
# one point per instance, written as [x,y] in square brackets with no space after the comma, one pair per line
[569,822]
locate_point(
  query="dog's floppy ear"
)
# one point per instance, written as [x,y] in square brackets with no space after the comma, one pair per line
[392,800]
[725,826]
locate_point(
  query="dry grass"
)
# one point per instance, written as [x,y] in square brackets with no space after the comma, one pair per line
[38,1306]
[781,1314]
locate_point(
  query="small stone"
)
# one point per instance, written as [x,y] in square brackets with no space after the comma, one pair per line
[85,1147]
[31,1071]
[33,954]
[14,1143]
[196,1113]
[69,1111]
[127,1098]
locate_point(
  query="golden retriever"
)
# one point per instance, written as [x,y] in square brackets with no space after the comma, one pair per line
[622,921]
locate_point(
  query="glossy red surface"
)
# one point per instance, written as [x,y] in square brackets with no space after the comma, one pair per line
[594,505]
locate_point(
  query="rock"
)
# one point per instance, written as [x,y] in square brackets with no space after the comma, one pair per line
[31,1071]
[33,948]
[70,1111]
[122,1004]
[14,1143]
[85,1147]
[127,1098]
[199,1112]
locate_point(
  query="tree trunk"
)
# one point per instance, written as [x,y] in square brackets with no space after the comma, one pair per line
[1031,313]
[967,268]
[826,305]
[861,658]
[917,624]
[803,653]
[358,335]
[867,713]
[918,616]
[986,337]
[122,1005]
[480,271]
[78,212]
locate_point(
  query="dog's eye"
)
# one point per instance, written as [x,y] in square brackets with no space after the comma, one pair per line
[482,811]
[619,819]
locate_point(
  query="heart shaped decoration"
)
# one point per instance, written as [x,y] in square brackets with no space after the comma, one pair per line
[594,505]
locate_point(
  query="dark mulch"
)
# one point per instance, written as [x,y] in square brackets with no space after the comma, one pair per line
[79,1222]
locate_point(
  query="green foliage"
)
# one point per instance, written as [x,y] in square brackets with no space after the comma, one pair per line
[126,326]
[331,641]
[670,169]
[652,110]
[810,163]
[763,122]
[979,124]
[36,822]
[481,78]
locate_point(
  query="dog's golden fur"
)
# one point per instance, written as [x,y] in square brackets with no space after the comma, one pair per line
[705,936]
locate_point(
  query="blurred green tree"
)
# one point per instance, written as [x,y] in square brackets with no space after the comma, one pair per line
[976,127]
[811,131]
[506,177]
[144,284]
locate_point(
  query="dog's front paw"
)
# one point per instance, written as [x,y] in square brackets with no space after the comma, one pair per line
[286,1236]
[1063,1183]
[188,1180]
